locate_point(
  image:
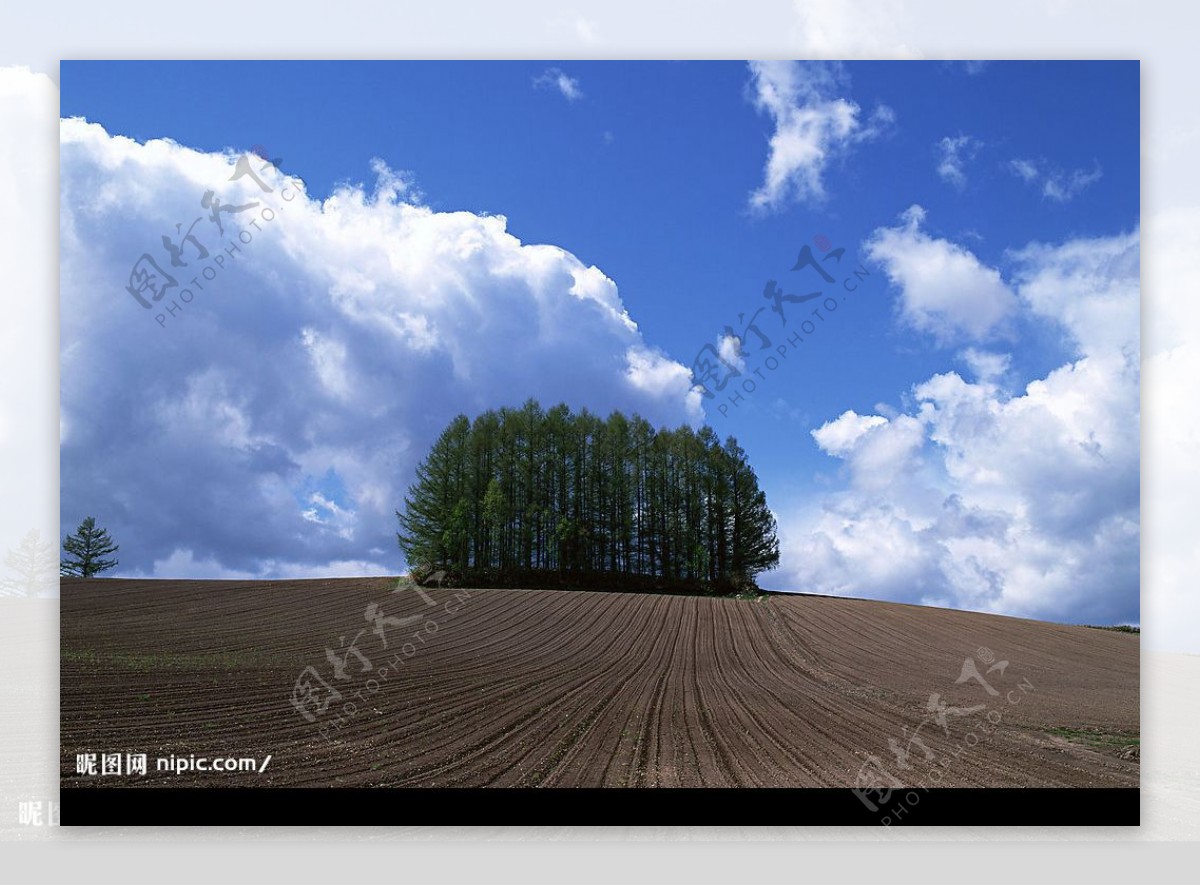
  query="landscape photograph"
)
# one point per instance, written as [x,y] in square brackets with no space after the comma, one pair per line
[584,441]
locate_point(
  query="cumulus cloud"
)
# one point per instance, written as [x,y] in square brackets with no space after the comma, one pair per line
[943,288]
[986,366]
[1085,285]
[555,78]
[270,424]
[839,436]
[976,496]
[812,126]
[1055,184]
[730,349]
[953,155]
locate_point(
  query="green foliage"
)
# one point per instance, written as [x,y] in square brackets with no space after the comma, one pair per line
[548,496]
[87,550]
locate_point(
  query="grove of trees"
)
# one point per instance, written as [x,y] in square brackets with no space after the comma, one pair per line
[535,497]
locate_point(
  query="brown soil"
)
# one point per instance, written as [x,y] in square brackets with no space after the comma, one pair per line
[557,688]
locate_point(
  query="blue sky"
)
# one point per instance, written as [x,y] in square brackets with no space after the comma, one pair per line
[648,171]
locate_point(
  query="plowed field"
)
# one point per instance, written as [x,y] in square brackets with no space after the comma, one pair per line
[560,688]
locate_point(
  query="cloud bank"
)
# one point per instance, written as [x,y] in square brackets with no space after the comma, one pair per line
[269,423]
[976,496]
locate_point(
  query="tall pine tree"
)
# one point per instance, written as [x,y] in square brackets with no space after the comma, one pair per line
[87,551]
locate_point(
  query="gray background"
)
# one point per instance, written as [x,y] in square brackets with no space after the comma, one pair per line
[1161,34]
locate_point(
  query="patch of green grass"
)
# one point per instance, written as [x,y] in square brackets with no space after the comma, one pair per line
[1095,738]
[756,596]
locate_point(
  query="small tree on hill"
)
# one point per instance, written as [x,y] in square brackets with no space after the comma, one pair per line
[86,551]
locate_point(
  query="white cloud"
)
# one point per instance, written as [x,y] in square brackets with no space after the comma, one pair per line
[879,452]
[1064,186]
[1085,286]
[1026,502]
[812,126]
[555,78]
[653,373]
[986,366]
[953,155]
[943,288]
[729,347]
[837,437]
[1056,184]
[1026,169]
[274,421]
[183,563]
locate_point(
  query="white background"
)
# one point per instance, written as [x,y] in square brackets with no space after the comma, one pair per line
[1161,34]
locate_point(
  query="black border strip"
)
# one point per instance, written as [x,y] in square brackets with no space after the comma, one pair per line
[662,807]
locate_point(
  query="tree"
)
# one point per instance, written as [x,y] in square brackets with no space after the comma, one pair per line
[755,545]
[32,567]
[429,522]
[87,550]
[526,495]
